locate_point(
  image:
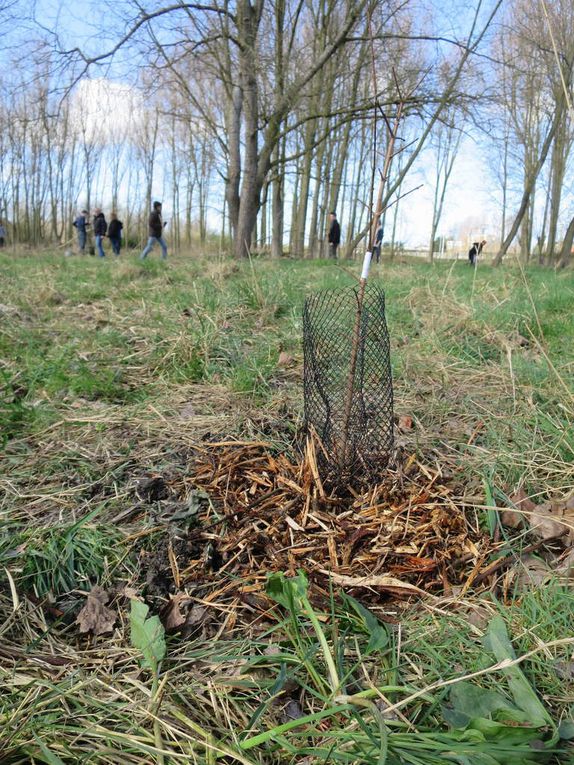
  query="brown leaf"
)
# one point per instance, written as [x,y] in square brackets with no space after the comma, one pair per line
[384,581]
[511,519]
[94,616]
[479,617]
[196,616]
[546,520]
[130,593]
[514,519]
[171,615]
[564,670]
[532,571]
[405,422]
[566,564]
[521,501]
[291,711]
[285,359]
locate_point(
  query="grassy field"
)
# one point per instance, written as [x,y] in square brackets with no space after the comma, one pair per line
[113,373]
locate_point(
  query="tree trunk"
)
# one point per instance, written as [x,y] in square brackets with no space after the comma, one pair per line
[559,158]
[566,252]
[277,202]
[233,129]
[530,184]
[303,196]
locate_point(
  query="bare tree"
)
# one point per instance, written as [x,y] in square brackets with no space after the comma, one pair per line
[537,107]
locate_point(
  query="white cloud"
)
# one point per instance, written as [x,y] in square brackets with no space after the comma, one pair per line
[106,110]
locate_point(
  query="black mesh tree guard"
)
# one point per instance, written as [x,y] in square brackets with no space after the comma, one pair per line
[350,406]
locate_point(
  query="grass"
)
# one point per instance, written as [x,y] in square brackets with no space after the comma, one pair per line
[112,372]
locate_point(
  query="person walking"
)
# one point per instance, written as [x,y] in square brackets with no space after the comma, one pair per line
[334,237]
[81,224]
[2,235]
[100,229]
[115,233]
[155,231]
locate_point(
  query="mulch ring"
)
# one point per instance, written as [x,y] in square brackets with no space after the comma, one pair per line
[243,512]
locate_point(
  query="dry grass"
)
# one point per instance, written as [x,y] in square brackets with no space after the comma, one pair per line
[197,346]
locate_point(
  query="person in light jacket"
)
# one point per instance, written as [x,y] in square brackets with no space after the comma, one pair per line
[81,224]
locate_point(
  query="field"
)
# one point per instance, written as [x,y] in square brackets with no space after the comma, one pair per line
[144,408]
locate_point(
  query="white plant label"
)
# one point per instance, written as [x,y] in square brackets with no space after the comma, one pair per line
[366,265]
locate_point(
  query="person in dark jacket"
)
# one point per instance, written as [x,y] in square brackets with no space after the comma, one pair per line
[475,251]
[156,226]
[378,243]
[334,235]
[81,224]
[115,233]
[100,229]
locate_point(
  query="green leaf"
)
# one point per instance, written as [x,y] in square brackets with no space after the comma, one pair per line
[47,755]
[379,637]
[287,591]
[497,641]
[566,730]
[469,701]
[147,635]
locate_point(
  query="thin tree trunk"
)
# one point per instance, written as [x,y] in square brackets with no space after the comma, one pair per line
[529,186]
[566,252]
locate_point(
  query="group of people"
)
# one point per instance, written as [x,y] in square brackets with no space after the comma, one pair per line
[155,235]
[113,231]
[101,229]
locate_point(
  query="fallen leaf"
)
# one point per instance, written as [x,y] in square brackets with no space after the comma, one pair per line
[514,519]
[522,502]
[405,422]
[196,616]
[565,670]
[152,489]
[171,615]
[546,520]
[479,617]
[292,711]
[147,634]
[285,359]
[130,593]
[383,581]
[511,519]
[532,571]
[566,565]
[94,616]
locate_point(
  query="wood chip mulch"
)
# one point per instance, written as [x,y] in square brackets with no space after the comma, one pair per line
[410,533]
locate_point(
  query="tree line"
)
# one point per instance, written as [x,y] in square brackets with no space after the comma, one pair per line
[262,116]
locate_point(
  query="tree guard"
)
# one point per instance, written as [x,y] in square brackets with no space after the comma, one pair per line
[348,388]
